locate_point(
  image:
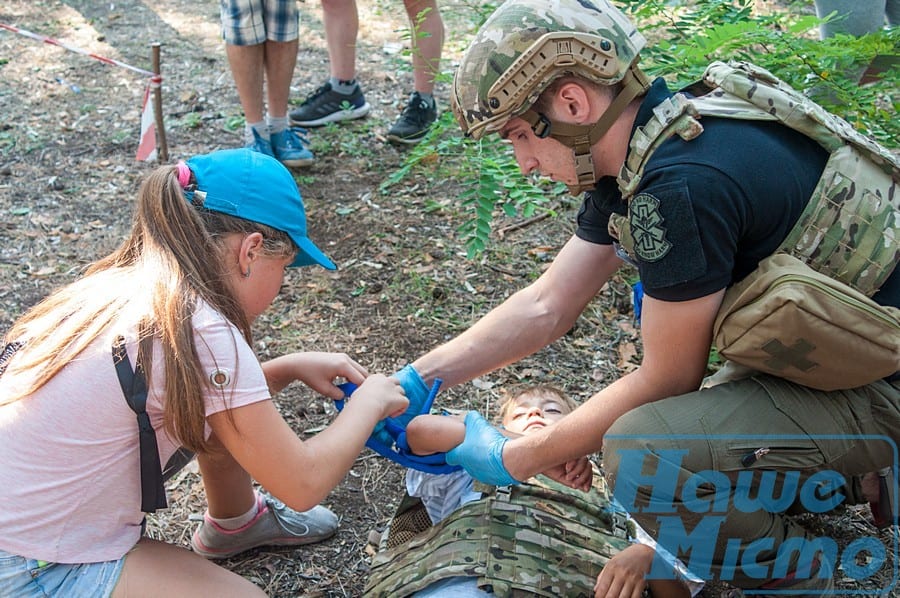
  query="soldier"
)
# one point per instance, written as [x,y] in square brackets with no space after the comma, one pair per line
[697,193]
[487,542]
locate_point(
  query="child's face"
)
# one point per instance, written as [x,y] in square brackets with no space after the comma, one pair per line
[534,412]
[258,291]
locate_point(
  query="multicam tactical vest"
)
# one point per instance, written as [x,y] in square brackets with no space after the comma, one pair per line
[849,229]
[534,539]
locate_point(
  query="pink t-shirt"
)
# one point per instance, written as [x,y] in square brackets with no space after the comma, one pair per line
[70,485]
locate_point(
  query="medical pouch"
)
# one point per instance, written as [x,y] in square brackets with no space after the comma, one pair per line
[790,321]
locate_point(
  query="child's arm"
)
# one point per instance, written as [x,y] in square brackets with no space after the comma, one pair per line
[429,434]
[625,575]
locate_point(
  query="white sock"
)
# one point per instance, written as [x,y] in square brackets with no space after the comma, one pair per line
[277,124]
[240,521]
[342,86]
[261,129]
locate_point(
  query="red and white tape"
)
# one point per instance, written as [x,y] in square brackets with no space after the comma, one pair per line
[147,145]
[77,50]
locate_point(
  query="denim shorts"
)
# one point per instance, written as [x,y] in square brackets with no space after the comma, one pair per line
[252,22]
[27,578]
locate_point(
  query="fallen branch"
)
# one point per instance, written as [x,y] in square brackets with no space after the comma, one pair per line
[501,232]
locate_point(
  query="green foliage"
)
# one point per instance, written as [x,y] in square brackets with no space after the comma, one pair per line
[120,137]
[499,184]
[234,123]
[349,137]
[192,120]
[7,142]
[491,176]
[683,38]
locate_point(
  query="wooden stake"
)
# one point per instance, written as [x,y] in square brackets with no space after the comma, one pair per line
[163,153]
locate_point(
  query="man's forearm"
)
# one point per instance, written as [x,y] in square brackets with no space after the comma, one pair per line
[529,320]
[515,329]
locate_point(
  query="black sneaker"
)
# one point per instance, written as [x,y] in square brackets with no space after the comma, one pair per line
[414,121]
[326,106]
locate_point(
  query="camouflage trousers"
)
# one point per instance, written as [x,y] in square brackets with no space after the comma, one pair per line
[690,469]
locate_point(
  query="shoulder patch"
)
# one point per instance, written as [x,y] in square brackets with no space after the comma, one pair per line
[650,243]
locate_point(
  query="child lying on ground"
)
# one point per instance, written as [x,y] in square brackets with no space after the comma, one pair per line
[539,537]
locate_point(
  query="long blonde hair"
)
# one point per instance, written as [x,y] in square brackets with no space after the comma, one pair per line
[174,255]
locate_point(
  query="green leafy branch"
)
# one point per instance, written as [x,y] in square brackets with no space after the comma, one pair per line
[685,39]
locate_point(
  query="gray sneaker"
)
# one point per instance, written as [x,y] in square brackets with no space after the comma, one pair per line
[326,105]
[274,525]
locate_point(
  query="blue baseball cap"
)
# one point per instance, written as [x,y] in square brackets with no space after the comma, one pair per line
[259,188]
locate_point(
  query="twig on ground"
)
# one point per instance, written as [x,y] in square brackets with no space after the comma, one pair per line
[501,232]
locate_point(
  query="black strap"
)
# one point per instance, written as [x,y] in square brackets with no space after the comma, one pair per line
[176,462]
[7,354]
[134,387]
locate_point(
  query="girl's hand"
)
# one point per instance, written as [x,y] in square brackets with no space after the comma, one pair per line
[384,392]
[315,369]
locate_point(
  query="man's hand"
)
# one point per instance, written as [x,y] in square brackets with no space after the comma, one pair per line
[577,474]
[481,453]
[416,392]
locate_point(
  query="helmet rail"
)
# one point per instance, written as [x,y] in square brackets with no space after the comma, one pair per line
[548,59]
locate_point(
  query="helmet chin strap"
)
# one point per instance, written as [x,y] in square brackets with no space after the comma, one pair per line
[582,137]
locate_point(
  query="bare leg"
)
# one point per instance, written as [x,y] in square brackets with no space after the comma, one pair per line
[426,49]
[155,568]
[341,26]
[280,60]
[229,489]
[247,69]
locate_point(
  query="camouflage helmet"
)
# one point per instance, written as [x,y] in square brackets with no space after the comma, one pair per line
[527,44]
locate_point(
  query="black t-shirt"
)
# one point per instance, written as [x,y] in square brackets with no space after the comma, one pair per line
[708,210]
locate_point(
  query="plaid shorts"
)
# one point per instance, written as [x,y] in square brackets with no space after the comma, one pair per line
[26,578]
[252,22]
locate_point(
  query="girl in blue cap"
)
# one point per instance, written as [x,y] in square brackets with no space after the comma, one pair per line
[147,359]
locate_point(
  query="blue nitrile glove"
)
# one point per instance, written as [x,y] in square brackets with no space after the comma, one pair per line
[388,433]
[637,298]
[416,393]
[481,453]
[380,433]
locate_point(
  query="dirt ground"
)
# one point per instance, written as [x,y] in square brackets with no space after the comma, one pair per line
[69,129]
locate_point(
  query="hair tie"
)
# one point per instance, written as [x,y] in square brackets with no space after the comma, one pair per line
[184,174]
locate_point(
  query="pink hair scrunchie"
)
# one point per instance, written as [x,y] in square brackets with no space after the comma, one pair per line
[184,174]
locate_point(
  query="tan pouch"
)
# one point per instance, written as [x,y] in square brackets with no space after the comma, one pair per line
[788,320]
